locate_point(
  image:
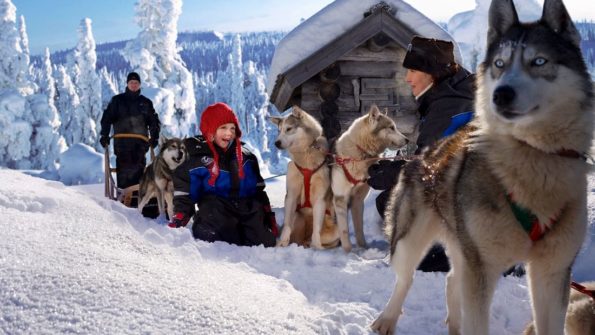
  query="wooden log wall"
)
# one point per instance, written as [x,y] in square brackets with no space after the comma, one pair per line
[371,73]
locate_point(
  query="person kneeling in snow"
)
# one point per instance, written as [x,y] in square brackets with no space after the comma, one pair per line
[223,179]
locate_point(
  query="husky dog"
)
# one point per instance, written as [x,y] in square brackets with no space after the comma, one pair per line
[356,149]
[157,178]
[580,317]
[511,190]
[309,216]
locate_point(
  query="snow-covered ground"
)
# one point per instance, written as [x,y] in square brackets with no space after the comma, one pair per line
[72,261]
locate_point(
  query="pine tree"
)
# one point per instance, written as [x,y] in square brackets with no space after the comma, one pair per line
[155,56]
[12,59]
[88,85]
[68,105]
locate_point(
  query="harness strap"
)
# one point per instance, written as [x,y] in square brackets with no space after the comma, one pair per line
[582,289]
[528,220]
[342,161]
[138,136]
[307,173]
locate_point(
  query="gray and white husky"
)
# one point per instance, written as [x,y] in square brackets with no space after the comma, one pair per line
[157,178]
[309,216]
[510,188]
[356,149]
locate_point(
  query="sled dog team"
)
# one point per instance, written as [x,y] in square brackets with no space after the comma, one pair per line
[508,187]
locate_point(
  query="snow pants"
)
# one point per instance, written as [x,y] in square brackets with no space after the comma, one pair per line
[130,160]
[240,222]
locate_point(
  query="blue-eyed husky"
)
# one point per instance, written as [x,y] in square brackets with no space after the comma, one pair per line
[509,188]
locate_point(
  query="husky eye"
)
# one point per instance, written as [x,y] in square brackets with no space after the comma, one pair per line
[499,63]
[539,61]
[288,129]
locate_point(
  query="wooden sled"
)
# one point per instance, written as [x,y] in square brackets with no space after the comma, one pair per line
[128,196]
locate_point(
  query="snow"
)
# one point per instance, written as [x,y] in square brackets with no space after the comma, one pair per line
[72,261]
[333,21]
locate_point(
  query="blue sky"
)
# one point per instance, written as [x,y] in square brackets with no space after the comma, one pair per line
[54,23]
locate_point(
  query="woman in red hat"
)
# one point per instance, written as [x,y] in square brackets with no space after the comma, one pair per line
[222,178]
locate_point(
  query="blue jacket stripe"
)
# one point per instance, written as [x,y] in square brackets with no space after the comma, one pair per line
[456,122]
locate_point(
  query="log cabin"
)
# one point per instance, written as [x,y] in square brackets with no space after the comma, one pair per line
[348,56]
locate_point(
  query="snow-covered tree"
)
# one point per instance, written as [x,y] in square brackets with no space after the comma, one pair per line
[108,87]
[88,84]
[47,84]
[14,64]
[46,142]
[16,129]
[255,105]
[27,85]
[154,55]
[236,73]
[68,105]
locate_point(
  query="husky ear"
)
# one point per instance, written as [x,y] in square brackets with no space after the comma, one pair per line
[556,17]
[276,120]
[297,111]
[162,140]
[374,113]
[502,16]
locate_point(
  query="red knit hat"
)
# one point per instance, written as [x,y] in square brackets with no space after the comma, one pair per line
[212,118]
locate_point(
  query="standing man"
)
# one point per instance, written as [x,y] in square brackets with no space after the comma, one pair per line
[134,119]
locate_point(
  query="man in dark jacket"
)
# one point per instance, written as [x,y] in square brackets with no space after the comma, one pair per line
[444,92]
[133,117]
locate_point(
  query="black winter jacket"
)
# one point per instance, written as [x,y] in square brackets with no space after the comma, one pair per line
[228,185]
[437,107]
[130,113]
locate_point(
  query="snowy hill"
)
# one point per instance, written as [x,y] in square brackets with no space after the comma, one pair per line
[75,262]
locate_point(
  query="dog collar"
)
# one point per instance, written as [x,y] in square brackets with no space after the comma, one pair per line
[528,220]
[568,153]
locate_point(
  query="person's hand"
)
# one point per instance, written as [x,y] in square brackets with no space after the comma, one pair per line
[383,175]
[153,142]
[104,141]
[179,220]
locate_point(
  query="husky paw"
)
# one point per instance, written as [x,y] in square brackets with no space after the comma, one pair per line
[316,245]
[383,325]
[346,246]
[282,243]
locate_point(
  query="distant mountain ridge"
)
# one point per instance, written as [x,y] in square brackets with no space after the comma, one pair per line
[203,51]
[206,51]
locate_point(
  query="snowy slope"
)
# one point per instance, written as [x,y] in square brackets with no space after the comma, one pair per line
[72,261]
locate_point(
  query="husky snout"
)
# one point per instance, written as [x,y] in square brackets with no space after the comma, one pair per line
[504,96]
[278,144]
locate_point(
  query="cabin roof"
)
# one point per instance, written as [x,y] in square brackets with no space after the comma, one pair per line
[334,31]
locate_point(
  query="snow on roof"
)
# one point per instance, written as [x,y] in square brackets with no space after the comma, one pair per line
[333,21]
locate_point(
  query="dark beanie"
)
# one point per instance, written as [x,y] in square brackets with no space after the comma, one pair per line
[212,118]
[133,76]
[429,55]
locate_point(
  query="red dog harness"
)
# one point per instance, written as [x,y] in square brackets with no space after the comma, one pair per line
[582,289]
[307,173]
[342,161]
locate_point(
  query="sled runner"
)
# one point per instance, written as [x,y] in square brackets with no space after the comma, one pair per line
[129,195]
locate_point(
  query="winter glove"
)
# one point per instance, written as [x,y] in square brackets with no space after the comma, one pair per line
[104,141]
[270,221]
[179,220]
[383,175]
[153,141]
